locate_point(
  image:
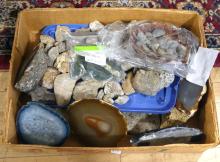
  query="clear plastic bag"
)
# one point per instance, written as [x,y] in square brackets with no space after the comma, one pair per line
[154,45]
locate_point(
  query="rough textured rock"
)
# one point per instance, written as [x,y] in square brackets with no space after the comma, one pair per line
[62,62]
[34,71]
[46,39]
[113,89]
[127,84]
[42,94]
[60,33]
[122,100]
[174,118]
[63,88]
[87,89]
[53,53]
[96,26]
[61,46]
[100,94]
[149,82]
[108,99]
[140,122]
[49,77]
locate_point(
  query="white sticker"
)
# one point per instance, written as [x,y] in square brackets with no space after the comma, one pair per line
[96,57]
[118,152]
[201,65]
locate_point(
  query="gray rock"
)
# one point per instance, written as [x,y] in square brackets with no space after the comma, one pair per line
[122,100]
[87,89]
[96,26]
[149,82]
[113,89]
[63,88]
[48,47]
[141,122]
[53,53]
[61,46]
[49,77]
[34,71]
[42,94]
[60,33]
[158,32]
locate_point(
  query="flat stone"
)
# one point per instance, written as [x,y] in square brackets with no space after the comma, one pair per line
[42,94]
[149,82]
[34,71]
[49,77]
[87,89]
[63,88]
[127,84]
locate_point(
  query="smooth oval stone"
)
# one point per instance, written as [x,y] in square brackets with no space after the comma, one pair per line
[39,124]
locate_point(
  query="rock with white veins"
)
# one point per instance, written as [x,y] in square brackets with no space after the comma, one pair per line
[149,82]
[53,53]
[61,32]
[87,89]
[49,77]
[63,88]
[113,89]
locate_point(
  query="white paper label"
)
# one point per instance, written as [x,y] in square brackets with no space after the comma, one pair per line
[201,66]
[96,57]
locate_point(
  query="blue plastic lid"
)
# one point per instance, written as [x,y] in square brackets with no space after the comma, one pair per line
[161,103]
[51,29]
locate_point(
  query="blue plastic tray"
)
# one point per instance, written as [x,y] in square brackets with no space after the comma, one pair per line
[161,103]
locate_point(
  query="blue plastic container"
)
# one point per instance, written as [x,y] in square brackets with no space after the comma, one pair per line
[161,103]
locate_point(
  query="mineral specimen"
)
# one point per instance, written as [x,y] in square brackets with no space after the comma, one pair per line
[39,124]
[96,123]
[61,46]
[62,62]
[87,89]
[149,82]
[100,94]
[168,136]
[141,122]
[53,53]
[113,89]
[108,99]
[127,84]
[49,77]
[34,71]
[63,88]
[60,33]
[96,26]
[122,100]
[46,39]
[42,94]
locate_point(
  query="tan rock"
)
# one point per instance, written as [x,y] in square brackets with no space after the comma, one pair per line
[49,77]
[127,84]
[62,62]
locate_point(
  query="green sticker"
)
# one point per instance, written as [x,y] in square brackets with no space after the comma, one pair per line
[81,48]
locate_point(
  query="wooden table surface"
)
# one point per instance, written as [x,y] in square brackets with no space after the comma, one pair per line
[9,153]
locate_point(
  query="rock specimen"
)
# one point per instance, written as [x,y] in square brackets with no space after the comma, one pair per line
[113,89]
[63,88]
[42,94]
[122,100]
[47,39]
[96,26]
[34,71]
[87,89]
[141,122]
[60,33]
[100,94]
[168,136]
[61,46]
[108,99]
[62,62]
[39,124]
[49,77]
[149,82]
[53,53]
[127,84]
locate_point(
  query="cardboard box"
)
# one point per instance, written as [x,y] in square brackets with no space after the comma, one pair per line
[28,27]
